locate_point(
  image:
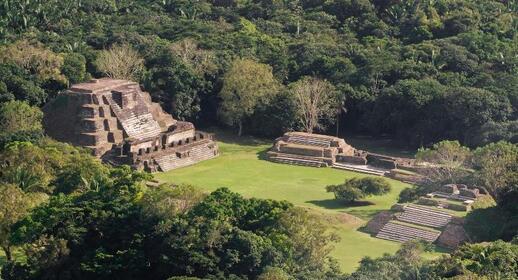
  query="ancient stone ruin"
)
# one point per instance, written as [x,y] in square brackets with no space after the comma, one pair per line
[318,150]
[457,197]
[118,122]
[417,222]
[309,149]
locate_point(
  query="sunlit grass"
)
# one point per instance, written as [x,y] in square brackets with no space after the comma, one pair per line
[242,168]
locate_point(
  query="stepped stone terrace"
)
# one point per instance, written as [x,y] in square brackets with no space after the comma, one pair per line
[118,122]
[417,222]
[318,150]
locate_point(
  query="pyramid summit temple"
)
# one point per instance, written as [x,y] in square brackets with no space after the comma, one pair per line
[119,123]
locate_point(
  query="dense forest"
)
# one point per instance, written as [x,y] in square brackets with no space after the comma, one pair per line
[420,71]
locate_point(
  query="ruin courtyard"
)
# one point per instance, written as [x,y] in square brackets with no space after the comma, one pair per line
[120,124]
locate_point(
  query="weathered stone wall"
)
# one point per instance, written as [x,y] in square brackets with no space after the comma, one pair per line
[301,150]
[381,161]
[181,135]
[351,159]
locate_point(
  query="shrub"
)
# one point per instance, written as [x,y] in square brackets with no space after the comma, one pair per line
[408,195]
[354,189]
[345,192]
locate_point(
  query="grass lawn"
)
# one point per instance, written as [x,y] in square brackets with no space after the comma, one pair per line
[241,167]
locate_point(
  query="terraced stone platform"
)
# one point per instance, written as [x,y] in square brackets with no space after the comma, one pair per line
[119,123]
[403,233]
[367,169]
[424,216]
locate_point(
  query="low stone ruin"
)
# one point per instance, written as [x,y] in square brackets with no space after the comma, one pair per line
[318,150]
[416,222]
[309,149]
[454,192]
[118,122]
[402,233]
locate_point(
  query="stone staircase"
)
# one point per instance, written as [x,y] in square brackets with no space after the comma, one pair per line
[138,126]
[426,217]
[297,160]
[198,153]
[360,168]
[309,141]
[403,233]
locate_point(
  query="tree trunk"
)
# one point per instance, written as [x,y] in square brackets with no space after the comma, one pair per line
[8,255]
[240,131]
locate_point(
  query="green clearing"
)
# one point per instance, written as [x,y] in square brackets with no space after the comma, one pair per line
[241,167]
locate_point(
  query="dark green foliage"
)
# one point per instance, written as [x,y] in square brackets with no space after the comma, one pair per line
[408,195]
[74,68]
[496,260]
[20,136]
[108,233]
[177,87]
[16,84]
[419,71]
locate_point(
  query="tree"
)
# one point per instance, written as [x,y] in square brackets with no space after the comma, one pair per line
[17,83]
[35,58]
[354,189]
[494,260]
[245,85]
[13,207]
[346,193]
[176,85]
[405,264]
[16,116]
[121,61]
[74,68]
[200,60]
[273,273]
[166,201]
[496,169]
[98,233]
[316,102]
[309,239]
[448,161]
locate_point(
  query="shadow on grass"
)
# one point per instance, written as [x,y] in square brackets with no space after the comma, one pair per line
[230,137]
[382,145]
[363,214]
[337,204]
[262,155]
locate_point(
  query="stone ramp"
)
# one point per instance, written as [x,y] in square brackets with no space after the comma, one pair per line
[297,159]
[360,168]
[403,233]
[309,141]
[426,217]
[138,122]
[196,153]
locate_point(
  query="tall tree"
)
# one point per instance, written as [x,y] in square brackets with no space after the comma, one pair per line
[13,207]
[448,161]
[496,167]
[121,61]
[316,101]
[245,85]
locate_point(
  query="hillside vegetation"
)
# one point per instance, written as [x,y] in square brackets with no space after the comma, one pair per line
[421,71]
